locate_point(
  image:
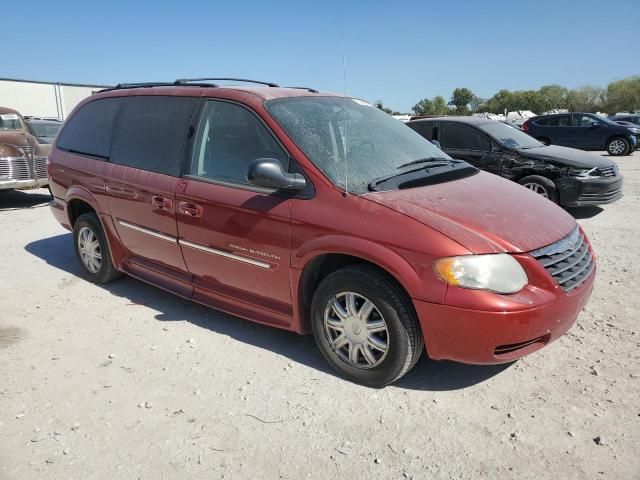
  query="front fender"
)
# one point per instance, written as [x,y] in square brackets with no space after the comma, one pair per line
[411,276]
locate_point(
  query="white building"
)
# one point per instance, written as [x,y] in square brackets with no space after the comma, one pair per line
[43,99]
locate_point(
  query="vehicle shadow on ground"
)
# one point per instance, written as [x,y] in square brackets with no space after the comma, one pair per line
[580,213]
[16,199]
[427,374]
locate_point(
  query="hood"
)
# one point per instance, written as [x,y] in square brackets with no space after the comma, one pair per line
[571,157]
[484,213]
[19,138]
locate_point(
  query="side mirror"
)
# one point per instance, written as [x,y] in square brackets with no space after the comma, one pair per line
[267,172]
[436,143]
[595,124]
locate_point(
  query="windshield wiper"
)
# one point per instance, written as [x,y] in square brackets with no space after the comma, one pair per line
[439,160]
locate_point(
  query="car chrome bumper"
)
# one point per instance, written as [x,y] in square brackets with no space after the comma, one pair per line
[10,184]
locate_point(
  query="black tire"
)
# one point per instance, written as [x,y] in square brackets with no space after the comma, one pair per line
[403,337]
[544,140]
[613,146]
[542,185]
[106,271]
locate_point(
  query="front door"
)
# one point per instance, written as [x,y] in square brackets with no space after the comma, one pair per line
[235,237]
[144,167]
[589,132]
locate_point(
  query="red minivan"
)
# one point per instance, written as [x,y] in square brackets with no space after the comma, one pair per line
[314,212]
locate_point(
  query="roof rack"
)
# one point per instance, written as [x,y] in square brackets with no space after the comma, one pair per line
[186,81]
[312,90]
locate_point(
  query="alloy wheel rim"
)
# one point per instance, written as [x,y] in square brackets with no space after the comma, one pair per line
[356,330]
[89,249]
[537,188]
[616,147]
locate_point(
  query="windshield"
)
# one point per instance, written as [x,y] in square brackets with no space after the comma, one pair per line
[327,129]
[44,129]
[10,121]
[508,136]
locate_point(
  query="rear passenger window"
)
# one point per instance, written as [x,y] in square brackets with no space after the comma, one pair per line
[559,121]
[151,132]
[89,130]
[463,138]
[229,138]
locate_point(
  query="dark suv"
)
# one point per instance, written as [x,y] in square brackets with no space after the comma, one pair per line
[316,213]
[566,176]
[585,131]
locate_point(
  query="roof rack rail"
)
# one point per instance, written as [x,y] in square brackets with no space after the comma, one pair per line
[312,90]
[137,85]
[186,81]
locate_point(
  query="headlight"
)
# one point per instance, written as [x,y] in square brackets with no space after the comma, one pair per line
[584,172]
[500,273]
[635,130]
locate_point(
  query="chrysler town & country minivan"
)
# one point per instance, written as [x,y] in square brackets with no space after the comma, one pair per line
[316,213]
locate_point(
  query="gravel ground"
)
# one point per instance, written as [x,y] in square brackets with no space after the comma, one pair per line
[126,381]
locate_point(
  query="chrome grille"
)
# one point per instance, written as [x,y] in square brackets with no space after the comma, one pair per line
[15,169]
[26,150]
[40,167]
[607,171]
[569,261]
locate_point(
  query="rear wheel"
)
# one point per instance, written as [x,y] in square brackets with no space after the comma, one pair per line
[618,146]
[365,326]
[92,249]
[542,186]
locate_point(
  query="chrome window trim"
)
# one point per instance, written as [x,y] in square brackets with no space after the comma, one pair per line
[153,233]
[222,253]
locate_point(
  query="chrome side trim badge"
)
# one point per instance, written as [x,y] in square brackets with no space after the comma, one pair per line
[222,253]
[153,233]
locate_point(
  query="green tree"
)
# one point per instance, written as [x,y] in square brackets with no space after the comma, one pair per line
[435,106]
[460,99]
[623,95]
[586,99]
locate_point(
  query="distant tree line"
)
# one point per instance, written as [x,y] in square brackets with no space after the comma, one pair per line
[619,96]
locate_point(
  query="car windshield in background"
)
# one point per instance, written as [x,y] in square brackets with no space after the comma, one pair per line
[510,137]
[375,144]
[10,121]
[45,129]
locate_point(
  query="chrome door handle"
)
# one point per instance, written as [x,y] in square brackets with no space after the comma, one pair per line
[189,209]
[161,203]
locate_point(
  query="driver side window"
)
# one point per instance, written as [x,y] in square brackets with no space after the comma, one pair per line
[230,137]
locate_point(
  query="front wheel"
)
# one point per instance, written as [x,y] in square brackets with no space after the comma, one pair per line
[618,146]
[542,186]
[365,326]
[92,249]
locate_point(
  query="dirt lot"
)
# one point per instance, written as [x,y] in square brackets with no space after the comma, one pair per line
[126,381]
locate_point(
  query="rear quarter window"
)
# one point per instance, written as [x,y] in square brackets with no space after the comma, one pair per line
[151,132]
[89,130]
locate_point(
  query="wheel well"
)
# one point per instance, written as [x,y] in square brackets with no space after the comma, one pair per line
[616,135]
[76,208]
[322,266]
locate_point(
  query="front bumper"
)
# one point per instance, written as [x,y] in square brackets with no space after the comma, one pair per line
[489,337]
[578,192]
[23,184]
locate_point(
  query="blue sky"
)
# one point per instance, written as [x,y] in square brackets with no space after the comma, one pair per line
[398,52]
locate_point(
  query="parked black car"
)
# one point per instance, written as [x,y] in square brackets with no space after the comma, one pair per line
[585,131]
[564,175]
[45,131]
[627,117]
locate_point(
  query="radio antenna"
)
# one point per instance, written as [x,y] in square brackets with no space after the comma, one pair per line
[344,143]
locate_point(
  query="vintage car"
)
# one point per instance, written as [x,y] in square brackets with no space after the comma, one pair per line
[23,161]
